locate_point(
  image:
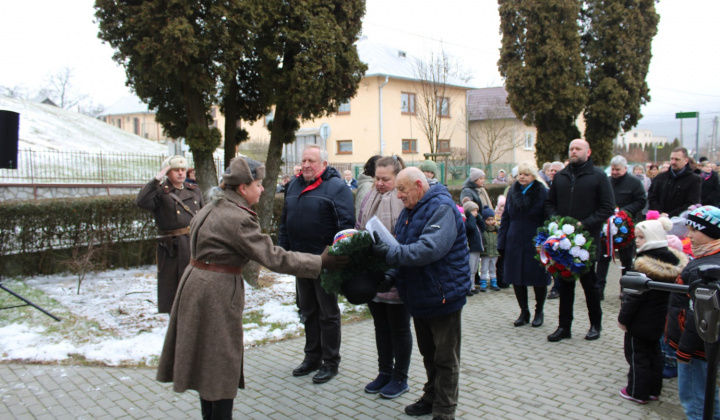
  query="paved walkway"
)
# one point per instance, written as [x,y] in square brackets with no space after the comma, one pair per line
[506,373]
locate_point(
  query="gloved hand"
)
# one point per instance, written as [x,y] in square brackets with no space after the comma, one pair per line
[334,262]
[386,283]
[379,248]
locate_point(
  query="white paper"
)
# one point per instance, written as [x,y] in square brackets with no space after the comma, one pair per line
[375,225]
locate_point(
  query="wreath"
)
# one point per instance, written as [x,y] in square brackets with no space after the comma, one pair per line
[564,248]
[359,280]
[621,231]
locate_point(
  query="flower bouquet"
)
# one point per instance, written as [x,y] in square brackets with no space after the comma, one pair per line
[620,230]
[359,280]
[564,248]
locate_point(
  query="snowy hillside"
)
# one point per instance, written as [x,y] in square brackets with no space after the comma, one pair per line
[45,127]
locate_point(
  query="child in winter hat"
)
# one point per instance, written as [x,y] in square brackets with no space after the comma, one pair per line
[489,256]
[642,317]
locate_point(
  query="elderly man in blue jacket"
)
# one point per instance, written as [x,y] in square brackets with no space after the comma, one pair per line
[432,260]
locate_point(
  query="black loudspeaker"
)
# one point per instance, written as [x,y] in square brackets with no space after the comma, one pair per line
[9,133]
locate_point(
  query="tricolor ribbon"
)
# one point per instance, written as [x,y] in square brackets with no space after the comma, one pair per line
[609,235]
[551,242]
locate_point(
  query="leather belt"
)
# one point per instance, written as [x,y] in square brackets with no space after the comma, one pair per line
[176,232]
[217,268]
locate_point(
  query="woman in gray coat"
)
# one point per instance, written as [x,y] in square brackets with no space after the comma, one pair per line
[203,348]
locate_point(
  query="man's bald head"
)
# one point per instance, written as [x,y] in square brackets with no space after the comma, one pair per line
[411,185]
[579,151]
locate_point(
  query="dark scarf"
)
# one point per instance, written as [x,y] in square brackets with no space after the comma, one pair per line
[524,201]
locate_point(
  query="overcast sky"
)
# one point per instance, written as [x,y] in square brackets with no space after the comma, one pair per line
[40,37]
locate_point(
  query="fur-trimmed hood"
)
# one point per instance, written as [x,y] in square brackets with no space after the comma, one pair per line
[660,270]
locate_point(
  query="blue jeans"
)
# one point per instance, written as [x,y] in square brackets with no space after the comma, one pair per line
[691,389]
[668,352]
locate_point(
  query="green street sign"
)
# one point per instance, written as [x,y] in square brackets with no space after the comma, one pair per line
[686,115]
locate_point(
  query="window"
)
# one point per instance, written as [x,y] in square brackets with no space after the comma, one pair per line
[443,107]
[443,146]
[269,117]
[344,147]
[409,146]
[344,108]
[119,122]
[136,126]
[529,141]
[407,103]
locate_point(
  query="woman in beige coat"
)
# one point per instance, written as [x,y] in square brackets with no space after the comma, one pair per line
[203,347]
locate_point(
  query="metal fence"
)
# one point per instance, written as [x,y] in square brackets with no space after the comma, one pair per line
[67,167]
[77,167]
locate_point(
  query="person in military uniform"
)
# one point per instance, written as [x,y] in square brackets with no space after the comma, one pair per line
[203,347]
[173,202]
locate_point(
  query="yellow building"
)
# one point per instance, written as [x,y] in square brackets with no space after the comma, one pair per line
[131,115]
[383,118]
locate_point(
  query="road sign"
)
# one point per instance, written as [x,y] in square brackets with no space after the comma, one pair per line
[325,131]
[686,115]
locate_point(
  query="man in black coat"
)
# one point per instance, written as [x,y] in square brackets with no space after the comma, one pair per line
[583,192]
[629,196]
[318,204]
[676,189]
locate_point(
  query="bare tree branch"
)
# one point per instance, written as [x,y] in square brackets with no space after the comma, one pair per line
[495,134]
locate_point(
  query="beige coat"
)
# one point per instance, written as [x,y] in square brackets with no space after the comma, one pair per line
[203,347]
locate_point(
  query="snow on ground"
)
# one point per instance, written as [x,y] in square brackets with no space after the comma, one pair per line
[46,127]
[129,329]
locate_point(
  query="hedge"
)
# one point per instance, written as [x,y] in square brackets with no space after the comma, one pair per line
[54,235]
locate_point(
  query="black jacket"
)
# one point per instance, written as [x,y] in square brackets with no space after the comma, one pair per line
[314,212]
[644,314]
[583,193]
[474,226]
[629,194]
[673,195]
[681,332]
[710,190]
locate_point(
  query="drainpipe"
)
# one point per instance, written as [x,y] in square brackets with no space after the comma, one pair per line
[382,140]
[467,128]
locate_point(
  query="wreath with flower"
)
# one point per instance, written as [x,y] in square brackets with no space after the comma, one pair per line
[564,248]
[364,267]
[620,229]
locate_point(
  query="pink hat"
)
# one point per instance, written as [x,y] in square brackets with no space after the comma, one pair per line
[652,215]
[675,242]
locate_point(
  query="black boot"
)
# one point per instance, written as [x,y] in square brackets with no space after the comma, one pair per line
[538,319]
[523,319]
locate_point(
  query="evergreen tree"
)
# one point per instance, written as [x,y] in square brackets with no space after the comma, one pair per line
[552,73]
[168,51]
[543,70]
[617,51]
[310,67]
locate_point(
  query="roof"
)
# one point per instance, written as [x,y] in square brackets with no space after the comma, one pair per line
[127,105]
[385,60]
[488,104]
[43,99]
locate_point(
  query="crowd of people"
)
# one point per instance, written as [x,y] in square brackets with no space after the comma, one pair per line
[446,251]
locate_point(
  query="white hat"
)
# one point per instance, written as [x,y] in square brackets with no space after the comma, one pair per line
[176,162]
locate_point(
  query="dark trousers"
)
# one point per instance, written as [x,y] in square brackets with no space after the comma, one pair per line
[521,294]
[393,338]
[216,410]
[439,343]
[322,322]
[592,296]
[646,367]
[626,258]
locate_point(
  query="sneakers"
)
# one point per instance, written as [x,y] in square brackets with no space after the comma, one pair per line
[554,294]
[378,384]
[653,398]
[483,285]
[624,394]
[419,408]
[394,389]
[493,285]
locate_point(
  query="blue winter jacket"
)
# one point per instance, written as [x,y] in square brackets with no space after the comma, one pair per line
[432,257]
[314,212]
